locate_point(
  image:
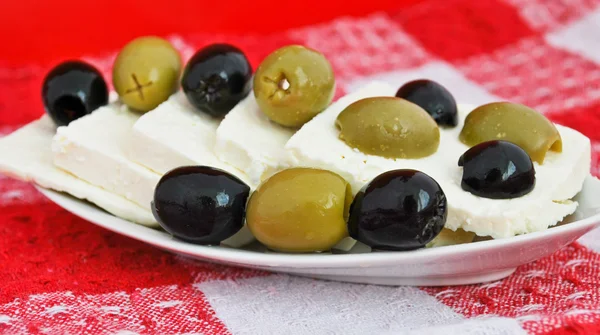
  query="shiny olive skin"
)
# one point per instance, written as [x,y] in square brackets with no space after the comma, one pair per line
[398,210]
[434,98]
[146,72]
[515,123]
[497,170]
[200,204]
[293,84]
[300,210]
[388,127]
[216,78]
[71,90]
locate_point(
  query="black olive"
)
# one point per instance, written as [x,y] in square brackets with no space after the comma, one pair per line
[398,210]
[71,90]
[434,98]
[497,170]
[200,204]
[216,78]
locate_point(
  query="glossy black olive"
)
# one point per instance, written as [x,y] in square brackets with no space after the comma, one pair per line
[200,204]
[398,210]
[497,170]
[216,78]
[434,98]
[71,90]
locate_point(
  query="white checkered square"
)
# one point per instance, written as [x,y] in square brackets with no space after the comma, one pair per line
[546,15]
[281,304]
[358,47]
[463,90]
[536,74]
[580,37]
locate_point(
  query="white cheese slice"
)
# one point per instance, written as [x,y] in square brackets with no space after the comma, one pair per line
[557,180]
[249,141]
[25,154]
[176,134]
[93,149]
[317,144]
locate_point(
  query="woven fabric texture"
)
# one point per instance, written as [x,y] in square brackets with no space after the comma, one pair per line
[62,275]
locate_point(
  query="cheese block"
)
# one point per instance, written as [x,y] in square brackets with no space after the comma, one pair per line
[25,154]
[249,141]
[93,148]
[176,134]
[96,149]
[558,180]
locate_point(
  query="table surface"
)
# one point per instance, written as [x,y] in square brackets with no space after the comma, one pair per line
[60,274]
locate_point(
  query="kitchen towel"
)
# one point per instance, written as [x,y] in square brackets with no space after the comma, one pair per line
[62,275]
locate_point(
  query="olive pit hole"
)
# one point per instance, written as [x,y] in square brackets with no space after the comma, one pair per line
[284,84]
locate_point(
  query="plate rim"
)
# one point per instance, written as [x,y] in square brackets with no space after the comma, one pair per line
[275,260]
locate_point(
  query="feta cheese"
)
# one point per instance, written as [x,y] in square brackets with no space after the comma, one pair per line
[557,180]
[93,149]
[317,144]
[249,141]
[176,134]
[25,154]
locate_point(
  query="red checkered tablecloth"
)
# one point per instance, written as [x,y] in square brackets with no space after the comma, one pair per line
[62,275]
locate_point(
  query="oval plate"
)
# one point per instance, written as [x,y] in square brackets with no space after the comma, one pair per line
[451,265]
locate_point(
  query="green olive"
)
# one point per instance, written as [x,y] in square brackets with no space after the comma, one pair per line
[515,123]
[293,84]
[389,127]
[146,72]
[300,210]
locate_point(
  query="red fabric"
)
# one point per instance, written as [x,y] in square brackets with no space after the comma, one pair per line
[480,26]
[45,251]
[549,287]
[46,31]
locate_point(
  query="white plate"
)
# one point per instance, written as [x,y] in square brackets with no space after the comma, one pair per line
[453,265]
